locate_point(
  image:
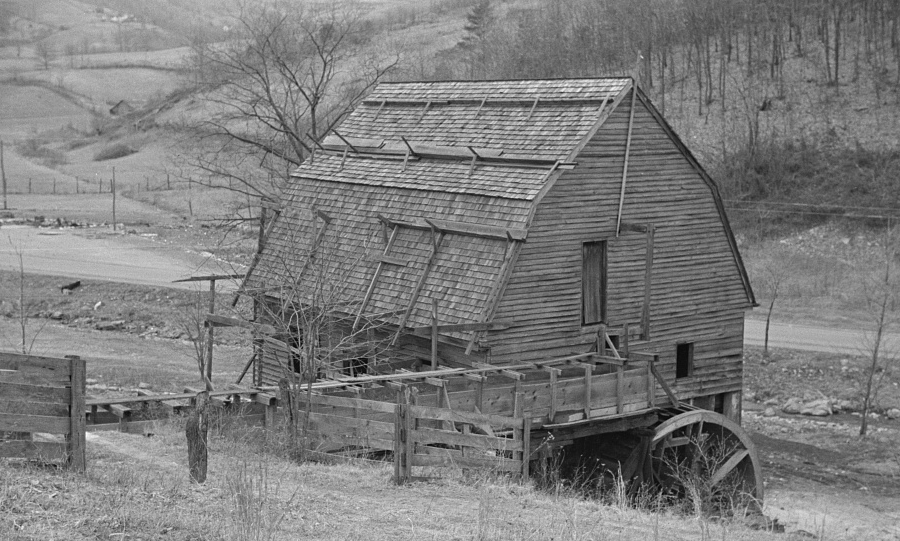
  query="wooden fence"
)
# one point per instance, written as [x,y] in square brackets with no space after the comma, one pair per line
[418,436]
[42,395]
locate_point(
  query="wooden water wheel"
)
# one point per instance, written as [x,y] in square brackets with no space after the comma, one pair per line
[714,453]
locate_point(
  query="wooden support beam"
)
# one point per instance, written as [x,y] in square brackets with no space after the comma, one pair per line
[662,382]
[648,281]
[533,107]
[224,321]
[434,334]
[503,275]
[620,388]
[554,390]
[462,228]
[625,165]
[341,137]
[414,297]
[378,270]
[463,327]
[588,374]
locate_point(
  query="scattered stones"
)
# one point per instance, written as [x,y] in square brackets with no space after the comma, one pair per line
[110,325]
[56,315]
[817,408]
[143,385]
[771,402]
[769,412]
[90,381]
[792,406]
[893,413]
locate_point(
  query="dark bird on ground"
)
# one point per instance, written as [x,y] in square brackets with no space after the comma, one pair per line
[69,288]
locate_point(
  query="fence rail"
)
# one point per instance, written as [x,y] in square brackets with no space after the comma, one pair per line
[42,395]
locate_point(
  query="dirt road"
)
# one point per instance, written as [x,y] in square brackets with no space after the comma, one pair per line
[815,338]
[100,255]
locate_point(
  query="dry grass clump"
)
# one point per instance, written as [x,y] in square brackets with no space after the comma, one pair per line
[138,488]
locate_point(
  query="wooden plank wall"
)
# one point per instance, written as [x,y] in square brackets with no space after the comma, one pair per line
[42,395]
[697,293]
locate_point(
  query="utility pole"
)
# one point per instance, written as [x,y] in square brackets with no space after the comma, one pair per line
[112,186]
[3,174]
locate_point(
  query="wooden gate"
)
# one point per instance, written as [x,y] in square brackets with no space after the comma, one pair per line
[417,436]
[440,437]
[42,395]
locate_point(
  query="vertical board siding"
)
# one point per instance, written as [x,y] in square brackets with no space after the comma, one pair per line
[697,293]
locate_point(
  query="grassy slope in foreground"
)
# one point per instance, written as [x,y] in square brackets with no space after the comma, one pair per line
[138,488]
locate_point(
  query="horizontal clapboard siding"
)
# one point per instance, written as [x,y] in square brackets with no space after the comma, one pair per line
[697,294]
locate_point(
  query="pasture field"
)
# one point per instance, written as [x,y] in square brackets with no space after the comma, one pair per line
[138,488]
[27,110]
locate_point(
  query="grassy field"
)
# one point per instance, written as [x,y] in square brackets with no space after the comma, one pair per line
[138,488]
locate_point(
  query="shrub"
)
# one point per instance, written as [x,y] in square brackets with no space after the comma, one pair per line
[34,149]
[119,150]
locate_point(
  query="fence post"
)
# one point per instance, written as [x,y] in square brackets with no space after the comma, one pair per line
[519,433]
[398,438]
[75,438]
[409,447]
[526,444]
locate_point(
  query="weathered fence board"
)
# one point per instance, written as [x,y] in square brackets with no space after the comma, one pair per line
[40,450]
[43,395]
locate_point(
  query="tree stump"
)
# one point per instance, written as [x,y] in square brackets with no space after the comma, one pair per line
[196,429]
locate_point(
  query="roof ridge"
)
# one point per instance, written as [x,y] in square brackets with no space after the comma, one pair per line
[512,80]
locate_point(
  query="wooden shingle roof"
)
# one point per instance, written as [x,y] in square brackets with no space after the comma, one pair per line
[468,159]
[539,119]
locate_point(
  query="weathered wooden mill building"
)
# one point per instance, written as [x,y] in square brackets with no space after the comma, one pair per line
[522,221]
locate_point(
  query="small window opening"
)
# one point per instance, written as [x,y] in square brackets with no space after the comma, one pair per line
[614,339]
[684,360]
[719,405]
[593,282]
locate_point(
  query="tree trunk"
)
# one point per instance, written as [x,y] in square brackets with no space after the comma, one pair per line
[196,430]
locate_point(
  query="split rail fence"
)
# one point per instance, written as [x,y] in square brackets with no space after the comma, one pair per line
[42,395]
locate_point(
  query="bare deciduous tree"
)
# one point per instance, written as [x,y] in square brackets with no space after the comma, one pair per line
[317,314]
[45,53]
[285,77]
[882,294]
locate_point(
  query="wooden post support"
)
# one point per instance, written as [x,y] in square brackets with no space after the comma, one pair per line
[398,438]
[623,341]
[271,415]
[588,373]
[434,334]
[209,338]
[478,380]
[620,387]
[554,391]
[625,165]
[75,439]
[519,413]
[601,340]
[648,282]
[526,446]
[410,426]
[651,386]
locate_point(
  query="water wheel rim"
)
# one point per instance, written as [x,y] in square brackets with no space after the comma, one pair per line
[745,451]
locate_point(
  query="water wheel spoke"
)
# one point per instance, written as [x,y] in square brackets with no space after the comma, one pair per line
[704,440]
[728,466]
